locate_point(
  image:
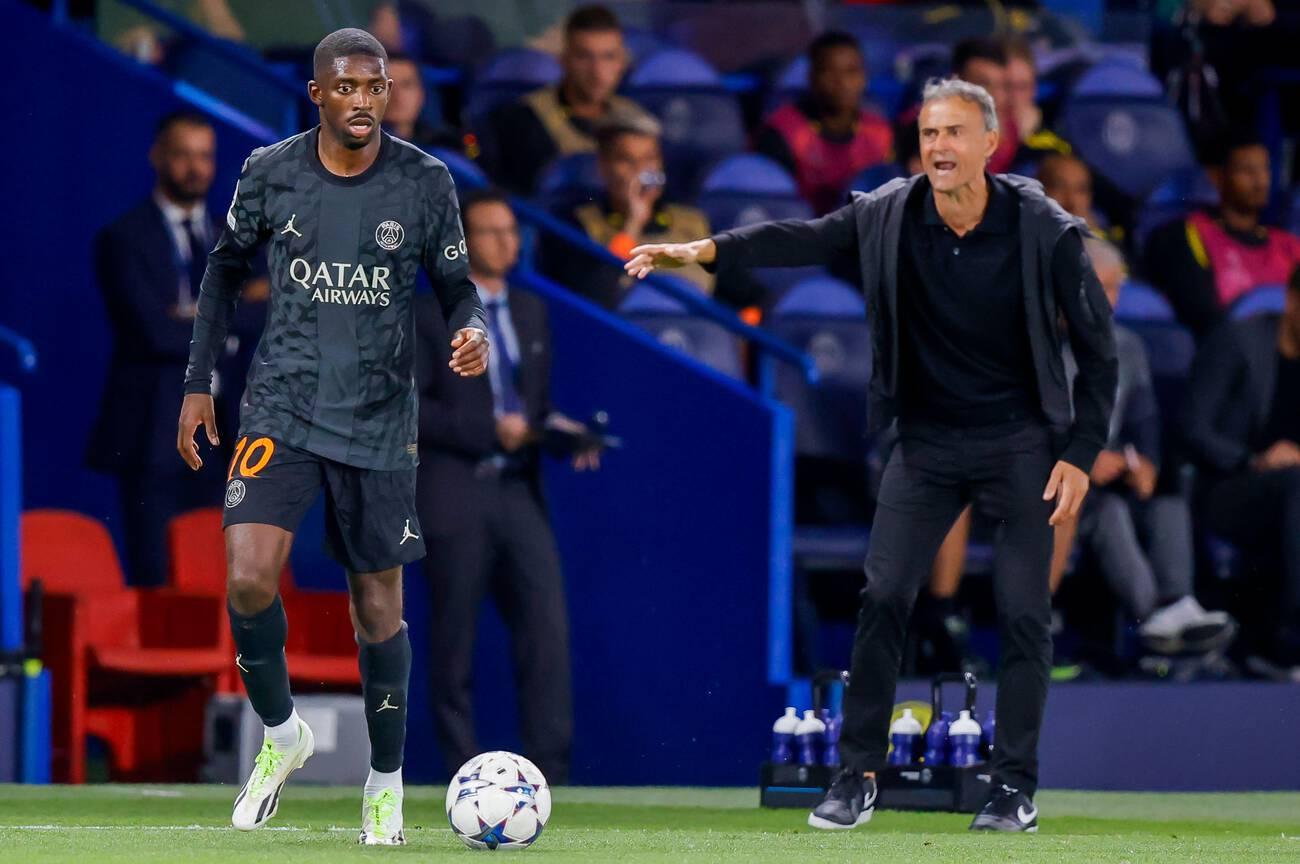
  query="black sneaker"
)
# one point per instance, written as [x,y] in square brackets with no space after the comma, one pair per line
[849,802]
[1008,809]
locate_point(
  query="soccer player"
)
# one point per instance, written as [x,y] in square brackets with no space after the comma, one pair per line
[350,214]
[965,273]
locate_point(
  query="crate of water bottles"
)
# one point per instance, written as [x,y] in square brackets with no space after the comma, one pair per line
[937,760]
[805,748]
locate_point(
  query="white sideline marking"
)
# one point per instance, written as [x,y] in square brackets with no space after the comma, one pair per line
[332,828]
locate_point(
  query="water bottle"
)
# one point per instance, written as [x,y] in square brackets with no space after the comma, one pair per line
[986,737]
[904,734]
[964,740]
[936,739]
[783,737]
[809,736]
[834,722]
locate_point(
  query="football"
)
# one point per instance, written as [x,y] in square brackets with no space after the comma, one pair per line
[498,800]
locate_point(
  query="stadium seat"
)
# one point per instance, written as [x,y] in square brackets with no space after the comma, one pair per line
[122,658]
[1116,76]
[672,324]
[748,188]
[1182,193]
[876,176]
[701,120]
[1135,142]
[826,318]
[1260,300]
[321,650]
[1293,214]
[505,77]
[464,171]
[1138,301]
[569,181]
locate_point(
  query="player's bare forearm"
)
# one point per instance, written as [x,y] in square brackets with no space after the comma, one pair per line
[663,256]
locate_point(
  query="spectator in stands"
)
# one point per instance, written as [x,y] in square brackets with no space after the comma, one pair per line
[984,62]
[826,137]
[1207,261]
[1067,181]
[406,104]
[630,212]
[1242,426]
[150,264]
[1036,140]
[1141,539]
[479,494]
[522,137]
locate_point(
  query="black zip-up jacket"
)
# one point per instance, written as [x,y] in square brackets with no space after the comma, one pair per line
[870,227]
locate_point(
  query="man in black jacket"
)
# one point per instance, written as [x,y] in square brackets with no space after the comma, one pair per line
[965,275]
[480,501]
[1242,425]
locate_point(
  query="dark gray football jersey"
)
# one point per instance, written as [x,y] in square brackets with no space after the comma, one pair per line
[334,372]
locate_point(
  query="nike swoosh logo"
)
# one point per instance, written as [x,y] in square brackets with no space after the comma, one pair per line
[1026,817]
[867,802]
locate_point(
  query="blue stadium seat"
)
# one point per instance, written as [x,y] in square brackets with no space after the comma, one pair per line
[1182,193]
[875,176]
[884,92]
[569,181]
[701,120]
[1116,76]
[748,188]
[507,76]
[1137,143]
[1260,300]
[1138,301]
[826,318]
[1170,351]
[1293,216]
[464,171]
[671,324]
[641,43]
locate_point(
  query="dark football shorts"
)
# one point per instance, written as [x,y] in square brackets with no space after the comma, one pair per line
[370,521]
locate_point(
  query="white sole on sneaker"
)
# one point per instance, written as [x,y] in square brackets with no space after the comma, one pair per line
[367,840]
[274,798]
[815,821]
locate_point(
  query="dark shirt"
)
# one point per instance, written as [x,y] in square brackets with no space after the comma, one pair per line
[334,371]
[965,357]
[1284,417]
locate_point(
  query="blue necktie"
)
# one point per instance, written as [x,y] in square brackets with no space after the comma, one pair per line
[509,394]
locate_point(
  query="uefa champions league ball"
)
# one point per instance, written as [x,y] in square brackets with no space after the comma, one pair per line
[498,800]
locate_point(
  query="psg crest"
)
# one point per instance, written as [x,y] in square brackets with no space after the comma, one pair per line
[389,235]
[235,493]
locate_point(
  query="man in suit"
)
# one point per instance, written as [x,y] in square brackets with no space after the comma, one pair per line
[149,264]
[1242,425]
[480,502]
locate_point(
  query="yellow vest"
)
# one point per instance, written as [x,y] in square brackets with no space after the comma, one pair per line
[545,103]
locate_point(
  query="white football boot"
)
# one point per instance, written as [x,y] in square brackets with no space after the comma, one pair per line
[381,819]
[260,797]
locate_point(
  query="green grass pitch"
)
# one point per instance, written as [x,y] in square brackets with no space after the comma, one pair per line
[138,824]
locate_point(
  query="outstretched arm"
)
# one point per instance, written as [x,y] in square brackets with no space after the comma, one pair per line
[788,243]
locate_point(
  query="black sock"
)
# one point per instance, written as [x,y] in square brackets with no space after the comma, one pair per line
[385,676]
[259,643]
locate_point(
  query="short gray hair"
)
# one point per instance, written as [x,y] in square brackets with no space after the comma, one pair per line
[955,88]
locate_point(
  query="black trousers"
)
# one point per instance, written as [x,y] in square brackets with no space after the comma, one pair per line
[506,550]
[150,497]
[931,475]
[1260,511]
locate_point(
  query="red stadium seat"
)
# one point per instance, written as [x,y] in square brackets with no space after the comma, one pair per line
[321,649]
[132,667]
